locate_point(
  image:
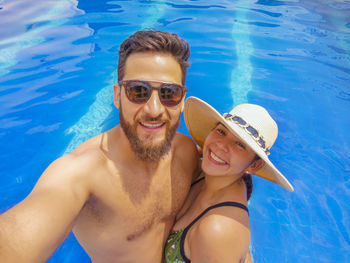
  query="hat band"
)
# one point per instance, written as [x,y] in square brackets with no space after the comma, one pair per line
[249,129]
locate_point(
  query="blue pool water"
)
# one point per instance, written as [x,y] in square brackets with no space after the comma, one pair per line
[58,65]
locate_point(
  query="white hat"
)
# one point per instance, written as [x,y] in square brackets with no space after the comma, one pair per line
[250,122]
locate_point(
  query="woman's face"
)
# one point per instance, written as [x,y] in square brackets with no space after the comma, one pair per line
[225,154]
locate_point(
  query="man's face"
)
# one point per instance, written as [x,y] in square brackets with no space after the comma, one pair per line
[151,126]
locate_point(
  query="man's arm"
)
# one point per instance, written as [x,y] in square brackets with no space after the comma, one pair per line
[34,228]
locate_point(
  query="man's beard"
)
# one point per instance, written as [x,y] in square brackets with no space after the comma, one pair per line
[148,152]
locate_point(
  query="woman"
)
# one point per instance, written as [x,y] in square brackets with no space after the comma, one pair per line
[213,225]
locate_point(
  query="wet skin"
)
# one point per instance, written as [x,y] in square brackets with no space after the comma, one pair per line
[120,208]
[152,198]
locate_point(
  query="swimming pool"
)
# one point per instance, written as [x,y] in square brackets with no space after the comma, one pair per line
[58,65]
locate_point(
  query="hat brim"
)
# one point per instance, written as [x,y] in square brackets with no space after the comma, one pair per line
[201,119]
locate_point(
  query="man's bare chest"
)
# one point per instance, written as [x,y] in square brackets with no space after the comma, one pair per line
[131,207]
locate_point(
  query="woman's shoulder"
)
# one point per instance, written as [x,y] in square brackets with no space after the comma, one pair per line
[224,222]
[222,233]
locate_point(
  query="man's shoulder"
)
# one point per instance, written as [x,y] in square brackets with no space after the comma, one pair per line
[72,172]
[85,157]
[89,145]
[186,153]
[185,147]
[182,140]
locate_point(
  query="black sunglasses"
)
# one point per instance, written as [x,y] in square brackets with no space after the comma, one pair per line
[139,91]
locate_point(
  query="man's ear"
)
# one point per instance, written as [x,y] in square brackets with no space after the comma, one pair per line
[256,165]
[117,91]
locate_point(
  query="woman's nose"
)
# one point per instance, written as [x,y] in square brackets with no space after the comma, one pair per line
[223,144]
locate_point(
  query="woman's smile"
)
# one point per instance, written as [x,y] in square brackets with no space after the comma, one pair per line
[216,159]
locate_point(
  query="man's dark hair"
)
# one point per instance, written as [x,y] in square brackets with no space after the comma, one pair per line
[154,41]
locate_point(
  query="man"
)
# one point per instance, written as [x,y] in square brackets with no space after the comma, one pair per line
[120,190]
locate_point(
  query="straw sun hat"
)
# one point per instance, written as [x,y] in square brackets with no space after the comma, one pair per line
[249,122]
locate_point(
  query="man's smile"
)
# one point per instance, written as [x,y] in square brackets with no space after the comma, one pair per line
[152,126]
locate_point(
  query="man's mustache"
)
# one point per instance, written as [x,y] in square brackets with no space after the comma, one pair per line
[150,118]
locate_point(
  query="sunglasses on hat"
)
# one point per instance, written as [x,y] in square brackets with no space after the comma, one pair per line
[139,91]
[250,130]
